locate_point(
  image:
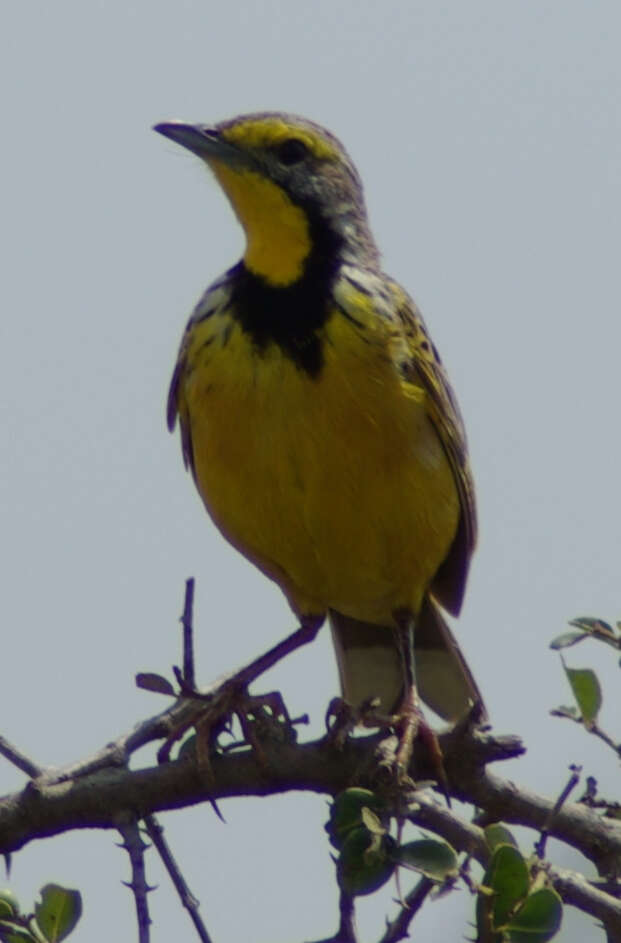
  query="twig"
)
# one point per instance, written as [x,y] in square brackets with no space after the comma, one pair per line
[574,779]
[589,796]
[397,929]
[189,901]
[347,924]
[592,727]
[346,932]
[189,675]
[597,731]
[19,759]
[135,847]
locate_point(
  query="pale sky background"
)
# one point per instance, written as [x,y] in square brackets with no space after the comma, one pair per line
[489,138]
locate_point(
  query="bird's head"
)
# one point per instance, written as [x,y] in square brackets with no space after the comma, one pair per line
[292,185]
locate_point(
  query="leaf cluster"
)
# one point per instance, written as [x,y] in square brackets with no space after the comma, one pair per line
[55,916]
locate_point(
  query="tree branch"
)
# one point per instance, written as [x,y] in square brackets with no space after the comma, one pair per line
[101,791]
[95,799]
[575,889]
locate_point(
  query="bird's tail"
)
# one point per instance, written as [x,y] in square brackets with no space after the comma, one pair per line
[370,666]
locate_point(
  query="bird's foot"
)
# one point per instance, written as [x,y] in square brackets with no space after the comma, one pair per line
[395,753]
[342,719]
[261,718]
[209,712]
[411,726]
[340,722]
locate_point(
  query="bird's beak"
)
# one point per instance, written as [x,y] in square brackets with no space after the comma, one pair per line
[202,140]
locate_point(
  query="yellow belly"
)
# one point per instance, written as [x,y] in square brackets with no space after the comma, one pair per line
[336,487]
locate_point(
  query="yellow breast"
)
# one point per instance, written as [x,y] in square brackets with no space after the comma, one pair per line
[335,486]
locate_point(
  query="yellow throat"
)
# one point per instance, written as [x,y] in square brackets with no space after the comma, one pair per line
[277,232]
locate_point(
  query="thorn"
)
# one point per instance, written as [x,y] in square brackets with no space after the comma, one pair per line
[215,807]
[136,889]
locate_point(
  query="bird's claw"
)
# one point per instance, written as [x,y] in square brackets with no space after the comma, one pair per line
[261,717]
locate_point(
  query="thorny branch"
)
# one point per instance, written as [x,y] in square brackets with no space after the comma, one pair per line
[187,898]
[574,779]
[102,792]
[397,929]
[346,932]
[135,848]
[96,799]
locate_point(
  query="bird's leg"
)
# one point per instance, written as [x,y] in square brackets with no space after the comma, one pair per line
[309,627]
[411,720]
[409,713]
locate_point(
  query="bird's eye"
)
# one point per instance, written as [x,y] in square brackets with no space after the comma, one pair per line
[292,151]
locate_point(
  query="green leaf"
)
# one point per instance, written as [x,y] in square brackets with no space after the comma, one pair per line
[589,624]
[149,681]
[497,834]
[567,639]
[600,630]
[507,878]
[347,811]
[365,862]
[538,919]
[435,859]
[9,905]
[372,822]
[14,933]
[587,692]
[59,911]
[563,711]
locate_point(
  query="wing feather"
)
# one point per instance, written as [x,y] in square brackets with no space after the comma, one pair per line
[426,367]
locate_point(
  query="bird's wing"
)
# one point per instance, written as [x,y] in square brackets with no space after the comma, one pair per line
[215,299]
[427,369]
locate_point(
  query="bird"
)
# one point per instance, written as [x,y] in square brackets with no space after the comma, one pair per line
[318,420]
